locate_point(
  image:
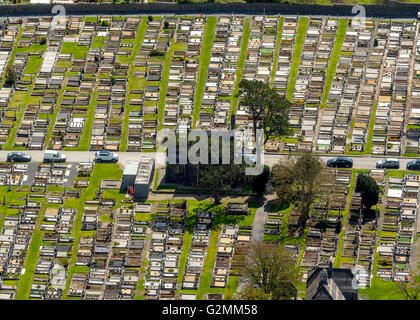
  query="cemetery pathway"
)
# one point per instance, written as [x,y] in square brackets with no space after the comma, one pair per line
[259,221]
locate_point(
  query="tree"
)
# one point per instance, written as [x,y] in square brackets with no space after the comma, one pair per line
[368,189]
[216,179]
[410,289]
[299,182]
[270,273]
[259,182]
[150,18]
[43,41]
[269,111]
[11,76]
[166,25]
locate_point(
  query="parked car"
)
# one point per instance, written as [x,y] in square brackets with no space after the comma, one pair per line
[54,156]
[388,163]
[414,164]
[18,157]
[106,156]
[340,162]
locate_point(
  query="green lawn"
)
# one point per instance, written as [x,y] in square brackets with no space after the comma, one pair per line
[300,39]
[204,65]
[78,52]
[335,55]
[25,281]
[276,50]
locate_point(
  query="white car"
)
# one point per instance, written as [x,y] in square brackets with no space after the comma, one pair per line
[54,156]
[106,156]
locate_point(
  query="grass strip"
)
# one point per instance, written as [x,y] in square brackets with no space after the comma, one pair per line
[204,65]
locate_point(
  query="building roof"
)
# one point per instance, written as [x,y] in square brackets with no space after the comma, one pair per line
[331,284]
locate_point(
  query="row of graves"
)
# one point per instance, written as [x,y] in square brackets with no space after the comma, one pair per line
[225,249]
[57,247]
[284,62]
[281,78]
[51,174]
[260,50]
[113,254]
[273,224]
[221,73]
[15,238]
[43,82]
[370,68]
[31,33]
[111,99]
[8,35]
[360,235]
[76,87]
[54,255]
[183,72]
[392,100]
[309,82]
[325,222]
[322,135]
[413,121]
[126,253]
[252,58]
[398,228]
[148,64]
[345,87]
[197,254]
[13,173]
[165,251]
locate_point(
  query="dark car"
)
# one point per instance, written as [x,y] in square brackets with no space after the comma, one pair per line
[388,163]
[340,162]
[414,164]
[18,157]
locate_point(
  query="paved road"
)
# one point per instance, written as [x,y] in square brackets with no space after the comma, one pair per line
[359,162]
[259,222]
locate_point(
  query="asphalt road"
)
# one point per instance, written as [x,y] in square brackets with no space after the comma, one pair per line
[359,162]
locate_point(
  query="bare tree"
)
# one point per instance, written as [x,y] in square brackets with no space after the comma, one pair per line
[270,273]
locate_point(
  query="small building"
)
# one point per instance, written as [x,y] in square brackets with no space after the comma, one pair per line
[331,284]
[129,175]
[144,178]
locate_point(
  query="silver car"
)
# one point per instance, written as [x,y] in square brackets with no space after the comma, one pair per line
[106,156]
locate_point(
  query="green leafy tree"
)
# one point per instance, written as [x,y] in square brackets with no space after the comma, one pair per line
[217,179]
[11,76]
[368,189]
[270,273]
[269,111]
[259,182]
[300,182]
[410,289]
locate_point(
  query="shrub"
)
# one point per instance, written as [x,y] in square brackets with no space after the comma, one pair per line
[156,53]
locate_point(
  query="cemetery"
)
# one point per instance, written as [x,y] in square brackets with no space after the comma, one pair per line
[85,230]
